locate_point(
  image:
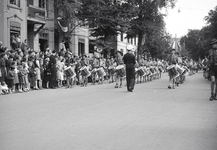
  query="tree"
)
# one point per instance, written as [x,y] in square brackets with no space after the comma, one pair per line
[66,10]
[197,41]
[137,18]
[194,44]
[106,19]
[212,22]
[147,22]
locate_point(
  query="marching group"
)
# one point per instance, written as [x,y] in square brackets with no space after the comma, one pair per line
[25,70]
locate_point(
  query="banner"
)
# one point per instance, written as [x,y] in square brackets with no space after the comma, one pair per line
[64,29]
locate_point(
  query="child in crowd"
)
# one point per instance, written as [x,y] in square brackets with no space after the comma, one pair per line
[16,78]
[59,66]
[10,78]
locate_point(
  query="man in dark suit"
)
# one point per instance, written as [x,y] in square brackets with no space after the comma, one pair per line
[130,61]
[53,70]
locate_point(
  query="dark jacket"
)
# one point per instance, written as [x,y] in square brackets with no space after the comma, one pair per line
[129,59]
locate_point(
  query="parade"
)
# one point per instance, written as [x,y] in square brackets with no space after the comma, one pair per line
[108,75]
[23,70]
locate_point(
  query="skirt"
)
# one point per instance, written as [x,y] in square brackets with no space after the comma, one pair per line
[38,74]
[16,78]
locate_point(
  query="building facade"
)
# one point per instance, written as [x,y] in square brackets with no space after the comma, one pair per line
[35,21]
[122,42]
[13,14]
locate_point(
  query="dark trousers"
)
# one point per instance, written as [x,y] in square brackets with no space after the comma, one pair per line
[130,75]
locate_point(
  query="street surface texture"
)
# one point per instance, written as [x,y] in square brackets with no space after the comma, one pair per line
[104,118]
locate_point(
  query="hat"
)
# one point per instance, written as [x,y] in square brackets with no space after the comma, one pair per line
[213,41]
[130,47]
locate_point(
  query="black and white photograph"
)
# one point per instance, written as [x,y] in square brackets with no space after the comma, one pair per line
[108,75]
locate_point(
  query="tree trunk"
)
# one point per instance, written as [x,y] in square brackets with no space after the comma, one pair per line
[141,41]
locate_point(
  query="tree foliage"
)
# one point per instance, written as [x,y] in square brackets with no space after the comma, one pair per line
[138,18]
[212,22]
[197,41]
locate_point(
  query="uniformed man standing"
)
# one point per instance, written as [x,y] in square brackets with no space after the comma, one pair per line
[213,69]
[130,61]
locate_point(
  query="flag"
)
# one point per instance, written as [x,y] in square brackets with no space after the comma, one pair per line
[64,29]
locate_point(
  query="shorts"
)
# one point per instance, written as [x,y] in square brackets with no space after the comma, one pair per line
[213,71]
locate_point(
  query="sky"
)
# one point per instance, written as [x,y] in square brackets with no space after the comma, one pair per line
[190,16]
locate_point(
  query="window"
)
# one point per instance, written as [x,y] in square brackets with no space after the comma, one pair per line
[30,2]
[15,2]
[41,3]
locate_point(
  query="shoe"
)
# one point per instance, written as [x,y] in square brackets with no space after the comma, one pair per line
[169,87]
[215,97]
[120,86]
[116,86]
[177,84]
[130,90]
[211,98]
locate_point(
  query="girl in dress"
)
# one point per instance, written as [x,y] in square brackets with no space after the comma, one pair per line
[16,78]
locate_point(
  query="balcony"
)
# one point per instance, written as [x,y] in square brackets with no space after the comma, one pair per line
[36,15]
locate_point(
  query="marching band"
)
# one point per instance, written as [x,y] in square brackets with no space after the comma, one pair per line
[68,70]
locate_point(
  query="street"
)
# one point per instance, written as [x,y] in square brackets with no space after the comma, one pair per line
[101,117]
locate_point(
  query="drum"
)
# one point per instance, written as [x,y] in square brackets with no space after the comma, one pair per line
[101,71]
[141,71]
[69,72]
[85,72]
[152,70]
[180,69]
[156,70]
[146,71]
[94,71]
[186,71]
[172,71]
[149,73]
[161,69]
[120,70]
[111,69]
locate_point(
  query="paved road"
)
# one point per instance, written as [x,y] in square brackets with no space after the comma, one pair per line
[104,118]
